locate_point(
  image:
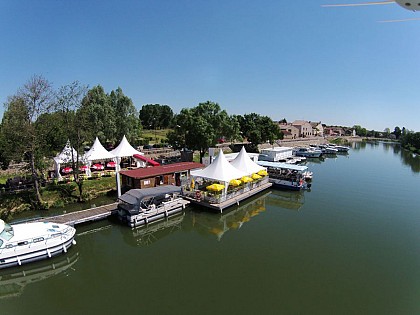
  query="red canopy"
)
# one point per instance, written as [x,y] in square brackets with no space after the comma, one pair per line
[98,166]
[145,159]
[67,170]
[110,164]
[83,167]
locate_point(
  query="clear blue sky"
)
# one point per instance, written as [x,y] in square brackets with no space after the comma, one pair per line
[284,59]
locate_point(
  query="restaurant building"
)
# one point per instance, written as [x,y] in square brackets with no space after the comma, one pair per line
[169,174]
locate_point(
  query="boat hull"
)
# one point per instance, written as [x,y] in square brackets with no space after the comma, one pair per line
[144,218]
[284,184]
[43,253]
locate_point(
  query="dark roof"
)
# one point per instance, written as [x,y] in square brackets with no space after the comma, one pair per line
[135,196]
[148,172]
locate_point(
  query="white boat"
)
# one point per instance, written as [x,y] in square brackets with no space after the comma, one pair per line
[307,152]
[26,242]
[339,148]
[287,176]
[142,206]
[326,149]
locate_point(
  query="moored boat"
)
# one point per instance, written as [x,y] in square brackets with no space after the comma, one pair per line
[307,152]
[339,148]
[286,176]
[142,206]
[27,242]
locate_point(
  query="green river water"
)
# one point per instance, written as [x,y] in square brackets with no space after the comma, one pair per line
[351,245]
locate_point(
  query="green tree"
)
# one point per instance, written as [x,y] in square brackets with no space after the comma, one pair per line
[76,124]
[96,107]
[31,101]
[126,116]
[200,127]
[397,132]
[156,116]
[258,129]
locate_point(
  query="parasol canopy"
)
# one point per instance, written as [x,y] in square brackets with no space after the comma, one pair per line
[262,173]
[246,179]
[235,182]
[67,170]
[256,176]
[110,164]
[215,187]
[83,168]
[98,166]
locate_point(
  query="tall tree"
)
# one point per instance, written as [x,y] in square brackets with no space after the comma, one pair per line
[96,106]
[75,122]
[155,116]
[258,129]
[200,127]
[127,121]
[37,95]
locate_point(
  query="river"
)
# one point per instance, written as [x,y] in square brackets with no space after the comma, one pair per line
[350,245]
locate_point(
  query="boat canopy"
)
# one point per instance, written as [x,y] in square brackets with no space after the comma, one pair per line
[135,196]
[299,168]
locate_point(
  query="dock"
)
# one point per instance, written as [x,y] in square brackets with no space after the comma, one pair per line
[231,201]
[83,216]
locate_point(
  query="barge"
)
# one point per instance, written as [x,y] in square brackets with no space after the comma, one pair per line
[142,206]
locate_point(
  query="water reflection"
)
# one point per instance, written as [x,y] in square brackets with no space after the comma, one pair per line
[14,280]
[292,200]
[147,235]
[410,159]
[219,224]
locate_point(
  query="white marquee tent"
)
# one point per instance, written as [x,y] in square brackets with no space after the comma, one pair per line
[244,163]
[98,153]
[65,156]
[124,149]
[220,170]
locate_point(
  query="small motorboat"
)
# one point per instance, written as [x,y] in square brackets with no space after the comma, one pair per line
[27,242]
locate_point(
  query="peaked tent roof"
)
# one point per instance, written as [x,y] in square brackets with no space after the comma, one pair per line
[244,163]
[220,170]
[98,152]
[124,149]
[65,155]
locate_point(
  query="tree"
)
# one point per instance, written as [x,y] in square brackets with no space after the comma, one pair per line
[200,127]
[13,130]
[126,116]
[258,129]
[96,107]
[36,97]
[156,116]
[397,132]
[75,122]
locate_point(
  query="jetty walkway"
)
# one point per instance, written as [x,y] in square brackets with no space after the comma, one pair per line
[83,216]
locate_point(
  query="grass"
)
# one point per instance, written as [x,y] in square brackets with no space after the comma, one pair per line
[157,135]
[55,195]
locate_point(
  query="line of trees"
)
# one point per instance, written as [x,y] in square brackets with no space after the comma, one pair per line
[410,140]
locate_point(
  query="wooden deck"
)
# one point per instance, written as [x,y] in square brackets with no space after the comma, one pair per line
[88,215]
[230,202]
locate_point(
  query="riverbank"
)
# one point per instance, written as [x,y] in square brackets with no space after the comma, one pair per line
[55,195]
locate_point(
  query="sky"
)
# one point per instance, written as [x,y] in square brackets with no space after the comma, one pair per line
[278,58]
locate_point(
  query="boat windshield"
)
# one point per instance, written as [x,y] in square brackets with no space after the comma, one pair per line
[7,232]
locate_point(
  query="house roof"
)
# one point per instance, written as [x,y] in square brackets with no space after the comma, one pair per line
[148,172]
[299,122]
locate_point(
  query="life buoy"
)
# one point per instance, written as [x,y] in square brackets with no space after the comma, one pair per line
[198,194]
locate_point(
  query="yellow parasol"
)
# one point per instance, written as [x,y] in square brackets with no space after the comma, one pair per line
[246,179]
[215,187]
[235,182]
[256,176]
[263,173]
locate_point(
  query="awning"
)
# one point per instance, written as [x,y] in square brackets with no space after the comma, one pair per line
[145,159]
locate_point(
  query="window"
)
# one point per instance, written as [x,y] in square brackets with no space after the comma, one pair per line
[38,239]
[23,243]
